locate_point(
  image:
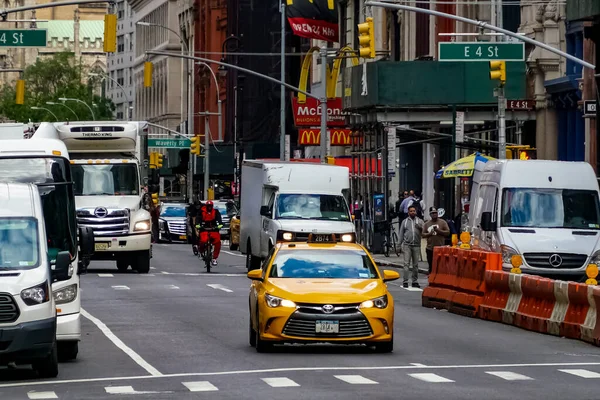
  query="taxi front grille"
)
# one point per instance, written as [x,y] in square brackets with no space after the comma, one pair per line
[304,326]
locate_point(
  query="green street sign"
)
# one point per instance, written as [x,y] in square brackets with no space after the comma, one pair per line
[479,51]
[170,143]
[23,37]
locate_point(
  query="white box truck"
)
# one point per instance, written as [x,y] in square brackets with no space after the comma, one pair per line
[27,308]
[287,201]
[545,212]
[45,162]
[106,158]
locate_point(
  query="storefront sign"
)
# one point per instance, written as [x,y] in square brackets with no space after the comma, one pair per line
[337,137]
[309,113]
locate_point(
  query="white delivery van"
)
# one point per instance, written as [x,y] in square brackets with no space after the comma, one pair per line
[108,178]
[287,201]
[45,162]
[27,307]
[546,212]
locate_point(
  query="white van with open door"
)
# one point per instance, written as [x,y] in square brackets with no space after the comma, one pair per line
[27,306]
[545,212]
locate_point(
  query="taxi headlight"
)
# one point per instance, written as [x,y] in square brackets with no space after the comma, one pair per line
[65,295]
[142,225]
[380,302]
[274,302]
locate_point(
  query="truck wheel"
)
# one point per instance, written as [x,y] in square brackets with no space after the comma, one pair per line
[47,367]
[122,264]
[232,246]
[68,351]
[141,262]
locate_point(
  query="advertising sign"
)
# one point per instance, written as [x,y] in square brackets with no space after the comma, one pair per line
[314,19]
[309,113]
[337,137]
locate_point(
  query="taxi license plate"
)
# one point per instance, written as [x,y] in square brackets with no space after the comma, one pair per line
[182,237]
[327,327]
[322,238]
[102,246]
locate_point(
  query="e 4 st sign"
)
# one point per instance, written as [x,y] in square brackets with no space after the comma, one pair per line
[23,37]
[481,51]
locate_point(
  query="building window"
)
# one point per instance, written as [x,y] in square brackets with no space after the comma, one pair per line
[120,44]
[121,10]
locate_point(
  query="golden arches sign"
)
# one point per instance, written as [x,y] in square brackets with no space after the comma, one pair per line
[330,3]
[332,75]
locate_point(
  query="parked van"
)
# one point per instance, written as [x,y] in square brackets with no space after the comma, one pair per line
[27,307]
[546,212]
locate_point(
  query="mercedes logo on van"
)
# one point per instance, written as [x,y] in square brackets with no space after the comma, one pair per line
[101,212]
[327,308]
[555,260]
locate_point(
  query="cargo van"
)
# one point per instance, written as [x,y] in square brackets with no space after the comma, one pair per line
[27,307]
[287,201]
[545,212]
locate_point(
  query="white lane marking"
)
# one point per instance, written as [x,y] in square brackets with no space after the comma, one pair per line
[173,287]
[430,378]
[120,287]
[279,382]
[232,254]
[355,379]
[199,274]
[219,287]
[42,395]
[418,364]
[583,373]
[413,289]
[126,390]
[147,274]
[119,343]
[152,267]
[105,275]
[200,386]
[298,369]
[509,376]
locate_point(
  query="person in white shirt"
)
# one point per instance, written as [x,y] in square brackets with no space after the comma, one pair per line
[410,233]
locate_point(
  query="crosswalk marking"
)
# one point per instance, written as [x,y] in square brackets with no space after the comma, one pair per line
[119,390]
[433,378]
[280,382]
[583,373]
[356,379]
[509,376]
[413,289]
[105,275]
[42,395]
[200,386]
[120,287]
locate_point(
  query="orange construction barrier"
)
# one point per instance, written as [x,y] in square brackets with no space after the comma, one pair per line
[576,311]
[536,305]
[496,296]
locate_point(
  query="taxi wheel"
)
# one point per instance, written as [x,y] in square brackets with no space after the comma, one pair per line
[385,347]
[252,335]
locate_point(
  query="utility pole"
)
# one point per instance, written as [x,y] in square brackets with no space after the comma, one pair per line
[282,138]
[324,134]
[499,92]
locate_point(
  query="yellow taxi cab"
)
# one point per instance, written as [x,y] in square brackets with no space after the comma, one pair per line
[330,292]
[234,232]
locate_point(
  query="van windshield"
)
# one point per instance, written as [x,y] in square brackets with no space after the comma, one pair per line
[19,247]
[105,180]
[550,208]
[312,206]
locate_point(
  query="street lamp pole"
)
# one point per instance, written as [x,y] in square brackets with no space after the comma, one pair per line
[45,109]
[52,103]
[219,102]
[80,101]
[104,77]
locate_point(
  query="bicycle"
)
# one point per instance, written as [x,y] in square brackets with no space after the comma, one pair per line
[207,254]
[391,236]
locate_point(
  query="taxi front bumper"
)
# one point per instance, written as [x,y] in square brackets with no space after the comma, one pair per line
[289,325]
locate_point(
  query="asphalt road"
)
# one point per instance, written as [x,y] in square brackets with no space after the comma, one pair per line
[178,331]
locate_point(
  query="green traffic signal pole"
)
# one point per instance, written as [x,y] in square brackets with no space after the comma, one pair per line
[322,100]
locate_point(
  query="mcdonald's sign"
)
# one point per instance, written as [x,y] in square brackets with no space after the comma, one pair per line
[309,137]
[309,113]
[314,19]
[338,137]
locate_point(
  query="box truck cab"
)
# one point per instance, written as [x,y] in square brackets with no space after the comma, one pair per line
[107,176]
[27,272]
[45,162]
[545,212]
[287,201]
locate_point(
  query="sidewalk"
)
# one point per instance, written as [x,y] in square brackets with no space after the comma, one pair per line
[398,262]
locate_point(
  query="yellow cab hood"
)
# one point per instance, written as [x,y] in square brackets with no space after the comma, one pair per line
[324,290]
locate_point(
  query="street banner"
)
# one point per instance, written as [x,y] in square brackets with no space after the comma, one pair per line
[314,19]
[309,113]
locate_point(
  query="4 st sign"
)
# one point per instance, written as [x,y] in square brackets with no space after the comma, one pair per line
[23,37]
[481,51]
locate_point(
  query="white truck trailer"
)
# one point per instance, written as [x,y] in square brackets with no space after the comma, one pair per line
[107,164]
[287,201]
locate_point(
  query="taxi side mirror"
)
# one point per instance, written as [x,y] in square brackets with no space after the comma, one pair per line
[390,275]
[256,275]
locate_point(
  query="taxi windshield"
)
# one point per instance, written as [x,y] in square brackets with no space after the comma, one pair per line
[328,264]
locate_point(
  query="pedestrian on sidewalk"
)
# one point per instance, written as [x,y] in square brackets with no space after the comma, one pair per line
[411,230]
[436,230]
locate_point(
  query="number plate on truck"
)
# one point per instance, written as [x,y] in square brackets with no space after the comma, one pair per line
[102,246]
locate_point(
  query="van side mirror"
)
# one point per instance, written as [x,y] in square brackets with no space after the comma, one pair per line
[486,222]
[264,211]
[60,269]
[86,248]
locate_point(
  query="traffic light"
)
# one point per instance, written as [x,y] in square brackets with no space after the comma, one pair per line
[366,39]
[528,154]
[195,146]
[159,160]
[20,91]
[154,198]
[148,67]
[110,33]
[498,71]
[509,154]
[153,160]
